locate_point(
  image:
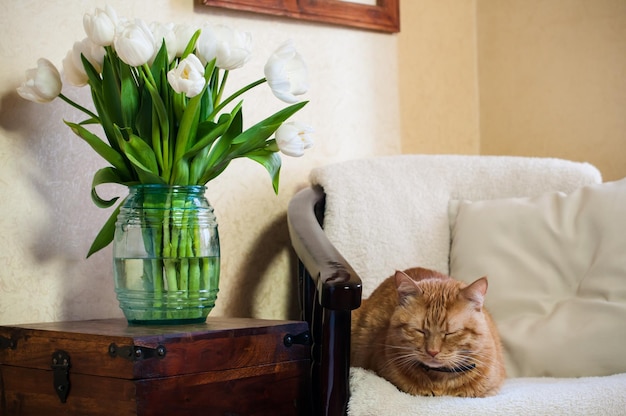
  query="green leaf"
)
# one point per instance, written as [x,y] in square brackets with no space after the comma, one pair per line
[89,121]
[206,104]
[143,123]
[233,96]
[105,120]
[107,152]
[180,175]
[256,135]
[213,78]
[140,153]
[105,236]
[159,106]
[198,166]
[191,45]
[129,97]
[111,93]
[159,128]
[102,176]
[272,146]
[236,126]
[271,162]
[209,134]
[94,77]
[214,171]
[187,127]
[142,157]
[160,62]
[149,177]
[219,151]
[97,97]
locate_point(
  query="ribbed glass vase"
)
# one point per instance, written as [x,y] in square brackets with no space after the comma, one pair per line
[166,255]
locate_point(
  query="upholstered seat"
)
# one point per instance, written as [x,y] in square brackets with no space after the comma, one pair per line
[547,232]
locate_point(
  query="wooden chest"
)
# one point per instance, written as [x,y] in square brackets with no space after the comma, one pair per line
[225,366]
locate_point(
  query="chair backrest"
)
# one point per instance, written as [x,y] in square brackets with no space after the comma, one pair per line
[391,212]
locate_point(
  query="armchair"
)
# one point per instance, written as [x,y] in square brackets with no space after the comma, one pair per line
[361,220]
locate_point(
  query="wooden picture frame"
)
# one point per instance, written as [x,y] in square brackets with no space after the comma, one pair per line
[383,17]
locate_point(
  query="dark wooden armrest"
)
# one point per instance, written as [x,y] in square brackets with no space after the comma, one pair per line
[338,285]
[330,290]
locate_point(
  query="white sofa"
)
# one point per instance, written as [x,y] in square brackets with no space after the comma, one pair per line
[548,233]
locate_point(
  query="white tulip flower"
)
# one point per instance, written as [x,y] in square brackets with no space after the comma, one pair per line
[293,137]
[73,68]
[183,34]
[74,75]
[43,84]
[188,76]
[164,32]
[100,26]
[134,43]
[286,73]
[230,48]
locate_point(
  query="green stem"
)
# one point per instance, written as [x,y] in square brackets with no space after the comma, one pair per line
[205,274]
[157,267]
[160,132]
[169,250]
[220,91]
[182,249]
[145,69]
[153,241]
[233,96]
[194,274]
[194,253]
[79,107]
[156,142]
[114,60]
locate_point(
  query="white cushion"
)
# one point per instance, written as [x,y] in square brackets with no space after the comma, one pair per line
[556,265]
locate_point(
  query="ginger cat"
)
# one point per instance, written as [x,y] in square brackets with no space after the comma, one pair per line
[429,335]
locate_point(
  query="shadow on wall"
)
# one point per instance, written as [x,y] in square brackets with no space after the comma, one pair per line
[272,241]
[49,200]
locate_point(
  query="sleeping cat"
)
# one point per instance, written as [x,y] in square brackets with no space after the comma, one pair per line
[429,334]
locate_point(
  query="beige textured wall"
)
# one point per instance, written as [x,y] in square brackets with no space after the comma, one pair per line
[526,77]
[552,76]
[438,79]
[47,220]
[515,77]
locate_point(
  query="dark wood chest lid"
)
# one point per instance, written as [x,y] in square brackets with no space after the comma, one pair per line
[112,348]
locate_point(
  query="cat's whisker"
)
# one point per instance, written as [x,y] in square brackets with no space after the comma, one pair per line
[406,361]
[399,347]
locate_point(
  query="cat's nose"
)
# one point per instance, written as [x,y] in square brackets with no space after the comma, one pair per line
[432,353]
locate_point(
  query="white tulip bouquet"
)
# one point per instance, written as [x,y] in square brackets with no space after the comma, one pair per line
[158,91]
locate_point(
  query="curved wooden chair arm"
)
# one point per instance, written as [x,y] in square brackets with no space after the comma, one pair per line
[338,285]
[330,290]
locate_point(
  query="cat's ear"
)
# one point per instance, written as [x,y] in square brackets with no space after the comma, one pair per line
[476,292]
[406,286]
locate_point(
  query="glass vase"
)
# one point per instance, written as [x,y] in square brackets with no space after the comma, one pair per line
[166,255]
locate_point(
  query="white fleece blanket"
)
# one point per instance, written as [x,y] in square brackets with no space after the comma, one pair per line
[382,221]
[587,396]
[391,212]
